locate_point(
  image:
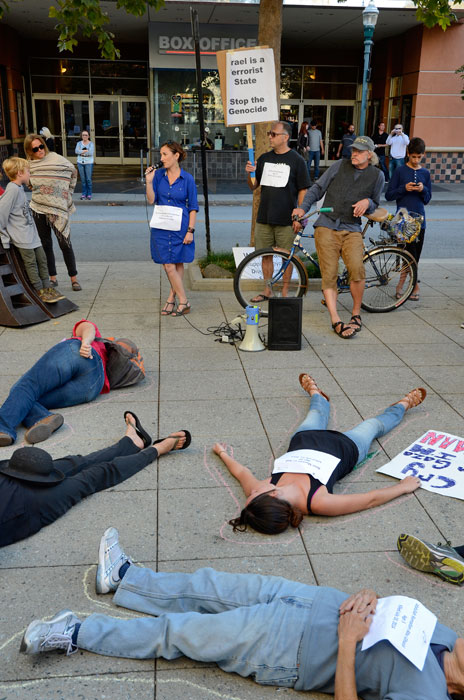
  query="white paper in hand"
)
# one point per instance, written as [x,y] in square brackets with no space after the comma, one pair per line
[405,623]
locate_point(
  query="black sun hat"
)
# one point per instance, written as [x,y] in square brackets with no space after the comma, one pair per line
[31,464]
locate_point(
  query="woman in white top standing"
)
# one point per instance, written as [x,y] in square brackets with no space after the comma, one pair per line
[85,151]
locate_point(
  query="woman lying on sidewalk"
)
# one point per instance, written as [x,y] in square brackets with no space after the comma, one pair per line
[293,491]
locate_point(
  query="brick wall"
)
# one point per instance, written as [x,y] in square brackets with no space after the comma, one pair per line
[445,167]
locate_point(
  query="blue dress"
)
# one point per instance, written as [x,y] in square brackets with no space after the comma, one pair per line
[168,246]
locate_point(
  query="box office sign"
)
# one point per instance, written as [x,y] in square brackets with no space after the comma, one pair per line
[173,44]
[248,85]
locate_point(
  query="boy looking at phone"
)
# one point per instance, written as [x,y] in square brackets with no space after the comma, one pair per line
[411,187]
[17,226]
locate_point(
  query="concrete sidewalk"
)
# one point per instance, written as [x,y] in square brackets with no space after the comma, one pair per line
[173,515]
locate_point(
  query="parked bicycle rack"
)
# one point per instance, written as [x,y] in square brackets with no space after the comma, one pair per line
[20,305]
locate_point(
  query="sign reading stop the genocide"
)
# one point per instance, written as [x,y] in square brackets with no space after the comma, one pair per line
[248,86]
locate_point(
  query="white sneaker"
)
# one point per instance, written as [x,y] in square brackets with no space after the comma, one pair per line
[110,559]
[42,635]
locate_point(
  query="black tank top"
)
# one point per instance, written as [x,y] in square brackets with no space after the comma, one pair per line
[333,443]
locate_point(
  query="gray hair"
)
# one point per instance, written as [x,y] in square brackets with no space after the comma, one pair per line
[286,127]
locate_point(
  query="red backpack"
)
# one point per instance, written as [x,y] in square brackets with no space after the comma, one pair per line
[124,365]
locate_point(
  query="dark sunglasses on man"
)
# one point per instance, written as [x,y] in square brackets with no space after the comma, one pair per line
[38,148]
[275,133]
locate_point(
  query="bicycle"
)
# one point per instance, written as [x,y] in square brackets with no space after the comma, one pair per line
[391,271]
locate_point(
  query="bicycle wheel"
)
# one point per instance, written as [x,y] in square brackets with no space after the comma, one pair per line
[263,272]
[391,275]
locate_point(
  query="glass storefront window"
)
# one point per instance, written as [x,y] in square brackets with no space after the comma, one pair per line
[290,82]
[119,86]
[60,86]
[329,91]
[177,117]
[59,66]
[118,69]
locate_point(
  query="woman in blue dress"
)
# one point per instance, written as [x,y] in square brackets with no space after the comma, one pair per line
[174,194]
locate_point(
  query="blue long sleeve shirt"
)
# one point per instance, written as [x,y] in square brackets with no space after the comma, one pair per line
[412,201]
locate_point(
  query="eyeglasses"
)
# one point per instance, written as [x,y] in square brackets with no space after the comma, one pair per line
[38,148]
[275,133]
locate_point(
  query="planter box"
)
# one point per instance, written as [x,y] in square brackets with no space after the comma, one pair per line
[194,280]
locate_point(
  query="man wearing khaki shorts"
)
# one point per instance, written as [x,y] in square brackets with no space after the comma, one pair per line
[352,188]
[283,177]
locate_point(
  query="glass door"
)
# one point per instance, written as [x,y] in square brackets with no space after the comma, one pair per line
[107,130]
[340,117]
[134,129]
[76,119]
[48,113]
[319,113]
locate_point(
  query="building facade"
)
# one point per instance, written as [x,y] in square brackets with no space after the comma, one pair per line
[150,95]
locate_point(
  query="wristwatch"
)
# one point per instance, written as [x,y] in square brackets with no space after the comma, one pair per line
[190,230]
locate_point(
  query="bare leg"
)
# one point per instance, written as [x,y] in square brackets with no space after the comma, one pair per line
[176,280]
[357,291]
[330,296]
[268,271]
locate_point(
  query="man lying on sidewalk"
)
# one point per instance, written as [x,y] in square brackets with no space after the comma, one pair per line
[280,632]
[37,490]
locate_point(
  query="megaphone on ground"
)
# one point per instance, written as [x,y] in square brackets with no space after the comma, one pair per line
[252,341]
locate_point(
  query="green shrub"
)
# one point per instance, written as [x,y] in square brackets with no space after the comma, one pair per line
[225,260]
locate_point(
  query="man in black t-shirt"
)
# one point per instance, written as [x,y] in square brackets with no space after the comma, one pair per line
[379,137]
[283,177]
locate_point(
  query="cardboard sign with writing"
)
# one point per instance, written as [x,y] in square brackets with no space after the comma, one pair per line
[248,85]
[437,459]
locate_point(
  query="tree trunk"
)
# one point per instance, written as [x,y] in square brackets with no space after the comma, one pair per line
[269,34]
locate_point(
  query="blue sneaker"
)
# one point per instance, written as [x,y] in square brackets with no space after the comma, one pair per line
[54,634]
[110,559]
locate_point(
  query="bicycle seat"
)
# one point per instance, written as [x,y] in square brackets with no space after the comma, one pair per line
[379,214]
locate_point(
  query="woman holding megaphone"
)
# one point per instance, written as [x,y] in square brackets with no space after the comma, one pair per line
[302,480]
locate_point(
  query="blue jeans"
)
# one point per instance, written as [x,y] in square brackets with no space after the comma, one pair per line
[394,164]
[317,156]
[363,434]
[383,167]
[246,623]
[59,378]
[85,172]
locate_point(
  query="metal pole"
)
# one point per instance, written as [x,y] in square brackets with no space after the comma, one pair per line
[201,119]
[368,44]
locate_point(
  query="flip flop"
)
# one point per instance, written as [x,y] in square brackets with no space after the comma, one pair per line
[259,298]
[414,297]
[305,374]
[141,432]
[188,439]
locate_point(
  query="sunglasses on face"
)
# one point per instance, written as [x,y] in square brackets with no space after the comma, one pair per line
[38,148]
[275,133]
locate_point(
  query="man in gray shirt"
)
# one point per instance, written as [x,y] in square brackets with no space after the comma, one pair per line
[316,148]
[352,188]
[279,632]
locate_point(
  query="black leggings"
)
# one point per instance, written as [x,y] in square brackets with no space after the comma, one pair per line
[415,248]
[45,233]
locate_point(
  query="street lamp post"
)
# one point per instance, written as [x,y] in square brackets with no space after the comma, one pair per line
[369,15]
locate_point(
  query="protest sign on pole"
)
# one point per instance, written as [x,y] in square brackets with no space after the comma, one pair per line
[248,88]
[437,459]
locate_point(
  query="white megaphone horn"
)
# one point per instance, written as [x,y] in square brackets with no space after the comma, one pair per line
[252,341]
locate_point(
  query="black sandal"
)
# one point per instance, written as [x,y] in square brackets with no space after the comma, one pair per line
[356,322]
[188,439]
[164,310]
[141,432]
[342,329]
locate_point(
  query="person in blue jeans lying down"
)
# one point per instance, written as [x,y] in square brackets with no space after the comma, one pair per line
[279,632]
[283,499]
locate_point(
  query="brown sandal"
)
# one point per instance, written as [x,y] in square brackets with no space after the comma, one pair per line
[305,374]
[412,401]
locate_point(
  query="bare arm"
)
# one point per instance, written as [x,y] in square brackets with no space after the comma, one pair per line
[352,627]
[85,331]
[247,481]
[325,503]
[149,191]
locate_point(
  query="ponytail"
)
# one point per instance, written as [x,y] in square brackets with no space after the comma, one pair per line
[267,515]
